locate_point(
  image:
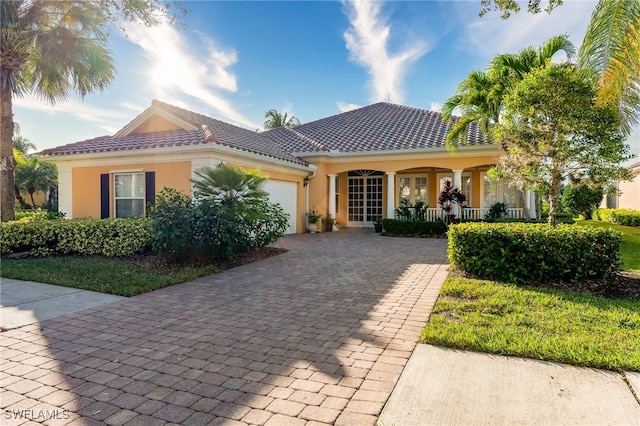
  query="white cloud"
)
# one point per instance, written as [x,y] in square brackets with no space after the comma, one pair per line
[178,68]
[344,107]
[491,35]
[107,119]
[367,41]
[435,106]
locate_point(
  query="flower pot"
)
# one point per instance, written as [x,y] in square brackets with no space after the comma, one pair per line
[313,228]
[378,227]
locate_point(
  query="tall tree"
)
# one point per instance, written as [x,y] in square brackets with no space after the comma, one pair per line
[52,49]
[274,120]
[553,130]
[480,97]
[611,46]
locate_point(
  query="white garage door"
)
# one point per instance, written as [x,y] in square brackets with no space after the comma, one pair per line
[285,194]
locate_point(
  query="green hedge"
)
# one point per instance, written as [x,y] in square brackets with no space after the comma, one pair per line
[626,217]
[521,253]
[106,237]
[414,227]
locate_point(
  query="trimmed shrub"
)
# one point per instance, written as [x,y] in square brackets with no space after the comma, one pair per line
[626,217]
[414,228]
[521,253]
[105,237]
[582,199]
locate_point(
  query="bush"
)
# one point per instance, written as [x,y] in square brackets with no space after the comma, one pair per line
[105,237]
[521,253]
[497,211]
[184,229]
[626,217]
[582,199]
[414,228]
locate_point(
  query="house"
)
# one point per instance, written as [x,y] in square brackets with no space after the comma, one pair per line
[355,165]
[628,196]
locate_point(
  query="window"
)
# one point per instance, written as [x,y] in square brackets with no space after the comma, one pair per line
[412,188]
[465,186]
[494,191]
[129,194]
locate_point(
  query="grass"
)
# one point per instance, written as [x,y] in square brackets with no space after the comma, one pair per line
[499,318]
[100,274]
[630,247]
[543,324]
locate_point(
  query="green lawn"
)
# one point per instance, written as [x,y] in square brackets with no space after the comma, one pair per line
[630,247]
[504,319]
[100,274]
[499,318]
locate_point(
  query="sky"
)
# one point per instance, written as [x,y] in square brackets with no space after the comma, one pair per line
[237,59]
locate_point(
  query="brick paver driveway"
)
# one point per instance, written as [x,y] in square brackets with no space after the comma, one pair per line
[318,335]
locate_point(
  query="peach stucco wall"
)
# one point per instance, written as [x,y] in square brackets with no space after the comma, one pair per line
[86,183]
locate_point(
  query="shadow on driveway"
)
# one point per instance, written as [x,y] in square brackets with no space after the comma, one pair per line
[320,333]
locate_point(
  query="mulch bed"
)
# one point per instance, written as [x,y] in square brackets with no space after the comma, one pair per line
[151,260]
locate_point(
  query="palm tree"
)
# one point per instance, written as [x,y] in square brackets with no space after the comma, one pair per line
[231,186]
[476,100]
[21,143]
[479,97]
[611,47]
[50,49]
[274,120]
[33,175]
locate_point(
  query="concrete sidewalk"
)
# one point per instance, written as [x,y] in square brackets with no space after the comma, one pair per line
[451,387]
[26,302]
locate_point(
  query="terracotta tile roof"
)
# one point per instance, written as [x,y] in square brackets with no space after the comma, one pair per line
[131,142]
[378,127]
[210,131]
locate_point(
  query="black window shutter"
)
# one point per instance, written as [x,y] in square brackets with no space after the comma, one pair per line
[104,196]
[150,188]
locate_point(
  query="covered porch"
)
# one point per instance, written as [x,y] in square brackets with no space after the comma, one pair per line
[356,197]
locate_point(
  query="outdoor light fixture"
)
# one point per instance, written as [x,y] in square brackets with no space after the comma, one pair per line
[306,181]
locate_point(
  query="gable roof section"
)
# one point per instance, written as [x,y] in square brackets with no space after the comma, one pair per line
[195,129]
[379,127]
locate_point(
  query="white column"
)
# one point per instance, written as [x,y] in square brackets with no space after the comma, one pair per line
[332,196]
[65,190]
[457,183]
[391,194]
[531,204]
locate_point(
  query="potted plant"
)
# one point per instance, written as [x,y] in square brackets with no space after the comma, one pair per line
[328,223]
[377,223]
[313,218]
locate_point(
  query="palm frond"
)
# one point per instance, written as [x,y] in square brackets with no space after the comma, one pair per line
[611,47]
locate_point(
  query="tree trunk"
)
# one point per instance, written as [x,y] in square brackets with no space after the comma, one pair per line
[554,195]
[33,202]
[7,162]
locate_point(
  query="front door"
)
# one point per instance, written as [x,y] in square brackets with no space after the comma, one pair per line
[365,197]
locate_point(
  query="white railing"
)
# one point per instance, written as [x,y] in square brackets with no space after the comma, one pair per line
[481,213]
[435,213]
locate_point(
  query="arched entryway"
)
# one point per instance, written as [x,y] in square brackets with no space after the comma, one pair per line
[365,197]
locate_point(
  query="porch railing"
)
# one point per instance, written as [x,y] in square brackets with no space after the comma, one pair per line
[481,213]
[435,213]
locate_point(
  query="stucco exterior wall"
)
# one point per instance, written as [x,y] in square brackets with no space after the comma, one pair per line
[86,183]
[630,193]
